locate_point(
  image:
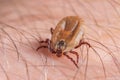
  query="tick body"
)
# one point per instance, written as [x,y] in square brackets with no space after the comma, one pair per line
[66,37]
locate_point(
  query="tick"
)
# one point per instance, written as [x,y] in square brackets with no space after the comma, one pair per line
[66,37]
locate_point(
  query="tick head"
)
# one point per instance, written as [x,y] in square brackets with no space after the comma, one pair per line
[59,47]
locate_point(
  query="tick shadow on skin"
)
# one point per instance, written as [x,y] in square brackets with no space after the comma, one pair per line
[45,51]
[50,58]
[59,61]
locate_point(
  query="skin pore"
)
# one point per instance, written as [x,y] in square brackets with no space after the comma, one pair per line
[23,23]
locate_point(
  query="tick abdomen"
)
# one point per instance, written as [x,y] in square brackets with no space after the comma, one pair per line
[70,30]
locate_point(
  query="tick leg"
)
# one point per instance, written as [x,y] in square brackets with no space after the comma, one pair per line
[46,41]
[70,59]
[73,52]
[41,47]
[51,30]
[81,43]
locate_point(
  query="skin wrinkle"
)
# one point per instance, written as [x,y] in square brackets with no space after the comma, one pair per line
[26,22]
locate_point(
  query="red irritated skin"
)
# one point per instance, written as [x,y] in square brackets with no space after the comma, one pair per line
[65,37]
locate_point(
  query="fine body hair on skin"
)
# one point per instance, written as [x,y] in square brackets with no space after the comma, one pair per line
[24,23]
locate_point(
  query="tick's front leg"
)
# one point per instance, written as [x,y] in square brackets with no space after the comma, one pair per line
[46,41]
[41,47]
[82,43]
[51,30]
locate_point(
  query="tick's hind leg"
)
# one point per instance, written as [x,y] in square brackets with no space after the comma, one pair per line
[73,52]
[71,59]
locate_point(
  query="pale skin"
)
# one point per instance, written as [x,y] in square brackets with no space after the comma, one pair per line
[24,23]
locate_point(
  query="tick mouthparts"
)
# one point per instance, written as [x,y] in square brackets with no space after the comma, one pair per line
[58,51]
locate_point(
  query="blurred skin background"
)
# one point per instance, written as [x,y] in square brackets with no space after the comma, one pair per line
[23,23]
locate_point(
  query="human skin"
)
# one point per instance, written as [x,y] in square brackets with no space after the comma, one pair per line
[24,23]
